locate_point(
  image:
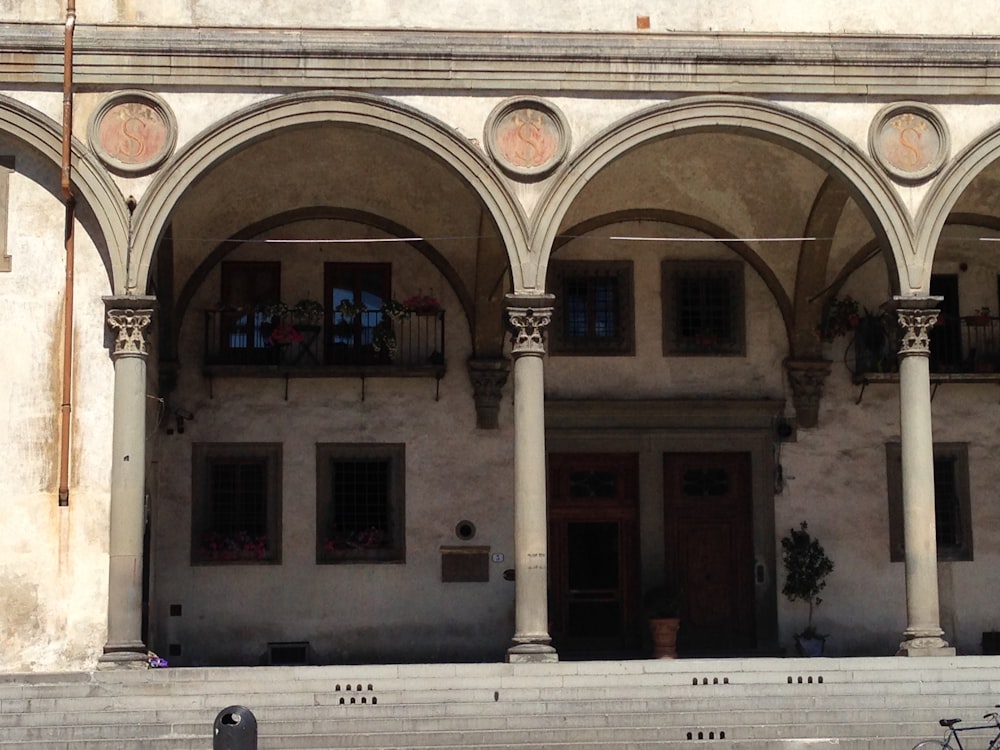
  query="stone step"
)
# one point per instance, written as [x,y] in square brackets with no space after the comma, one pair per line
[124,709]
[411,678]
[199,743]
[608,737]
[320,732]
[517,702]
[855,704]
[127,724]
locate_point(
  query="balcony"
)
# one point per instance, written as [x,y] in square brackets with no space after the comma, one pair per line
[963,349]
[241,343]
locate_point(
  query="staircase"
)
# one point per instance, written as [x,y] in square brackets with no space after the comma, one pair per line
[788,704]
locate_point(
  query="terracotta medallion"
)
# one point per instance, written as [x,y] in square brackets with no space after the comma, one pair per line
[909,140]
[133,132]
[527,137]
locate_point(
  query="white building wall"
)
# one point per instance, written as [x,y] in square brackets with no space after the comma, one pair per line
[54,561]
[762,16]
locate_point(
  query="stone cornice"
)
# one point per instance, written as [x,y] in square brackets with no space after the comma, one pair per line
[401,60]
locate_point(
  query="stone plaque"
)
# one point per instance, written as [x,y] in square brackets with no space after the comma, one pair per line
[909,140]
[527,137]
[133,132]
[465,564]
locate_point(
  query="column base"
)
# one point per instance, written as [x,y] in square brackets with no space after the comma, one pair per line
[531,652]
[124,656]
[925,646]
[527,649]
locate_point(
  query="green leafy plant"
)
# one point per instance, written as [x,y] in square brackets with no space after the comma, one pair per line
[842,315]
[307,312]
[395,310]
[273,310]
[349,309]
[806,569]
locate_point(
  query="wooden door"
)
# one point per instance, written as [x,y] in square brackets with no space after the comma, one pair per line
[593,540]
[709,549]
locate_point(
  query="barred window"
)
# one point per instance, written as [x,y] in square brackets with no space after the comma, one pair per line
[359,506]
[593,307]
[236,503]
[703,308]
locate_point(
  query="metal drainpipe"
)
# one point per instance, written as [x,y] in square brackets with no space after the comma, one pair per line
[67,191]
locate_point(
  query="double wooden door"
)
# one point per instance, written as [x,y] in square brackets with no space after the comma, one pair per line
[594,578]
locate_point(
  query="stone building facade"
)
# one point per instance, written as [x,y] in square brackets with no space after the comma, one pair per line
[443,333]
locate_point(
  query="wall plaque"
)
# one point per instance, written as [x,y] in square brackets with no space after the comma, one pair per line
[527,137]
[465,564]
[909,140]
[133,132]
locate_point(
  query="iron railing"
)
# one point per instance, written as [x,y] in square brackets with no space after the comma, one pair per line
[410,343]
[958,345]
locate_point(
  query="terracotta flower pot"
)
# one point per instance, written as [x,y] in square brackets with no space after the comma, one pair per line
[664,632]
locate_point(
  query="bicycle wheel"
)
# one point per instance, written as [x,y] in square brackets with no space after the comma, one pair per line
[932,745]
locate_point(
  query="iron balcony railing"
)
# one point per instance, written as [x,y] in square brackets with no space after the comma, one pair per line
[368,342]
[964,345]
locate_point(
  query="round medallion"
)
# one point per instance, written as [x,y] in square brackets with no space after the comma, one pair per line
[133,132]
[527,137]
[909,140]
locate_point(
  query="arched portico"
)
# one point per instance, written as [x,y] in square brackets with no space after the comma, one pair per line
[849,174]
[251,178]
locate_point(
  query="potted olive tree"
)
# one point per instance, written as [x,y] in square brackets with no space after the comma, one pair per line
[806,568]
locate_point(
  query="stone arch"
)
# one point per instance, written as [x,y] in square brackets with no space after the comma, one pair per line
[295,110]
[945,193]
[91,183]
[743,115]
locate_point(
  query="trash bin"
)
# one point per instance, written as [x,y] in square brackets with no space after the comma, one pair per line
[235,729]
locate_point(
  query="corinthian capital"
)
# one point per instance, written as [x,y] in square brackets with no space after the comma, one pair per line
[528,317]
[917,315]
[130,327]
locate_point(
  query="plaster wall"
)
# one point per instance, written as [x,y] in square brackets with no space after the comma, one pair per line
[649,374]
[853,16]
[54,561]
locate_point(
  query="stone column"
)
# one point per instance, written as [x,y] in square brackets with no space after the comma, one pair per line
[528,317]
[124,646]
[922,636]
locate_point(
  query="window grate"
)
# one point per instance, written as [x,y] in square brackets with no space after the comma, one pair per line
[236,503]
[360,501]
[703,308]
[238,491]
[592,308]
[593,312]
[946,505]
[360,508]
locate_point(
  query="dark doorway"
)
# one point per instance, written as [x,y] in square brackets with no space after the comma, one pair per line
[593,540]
[709,550]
